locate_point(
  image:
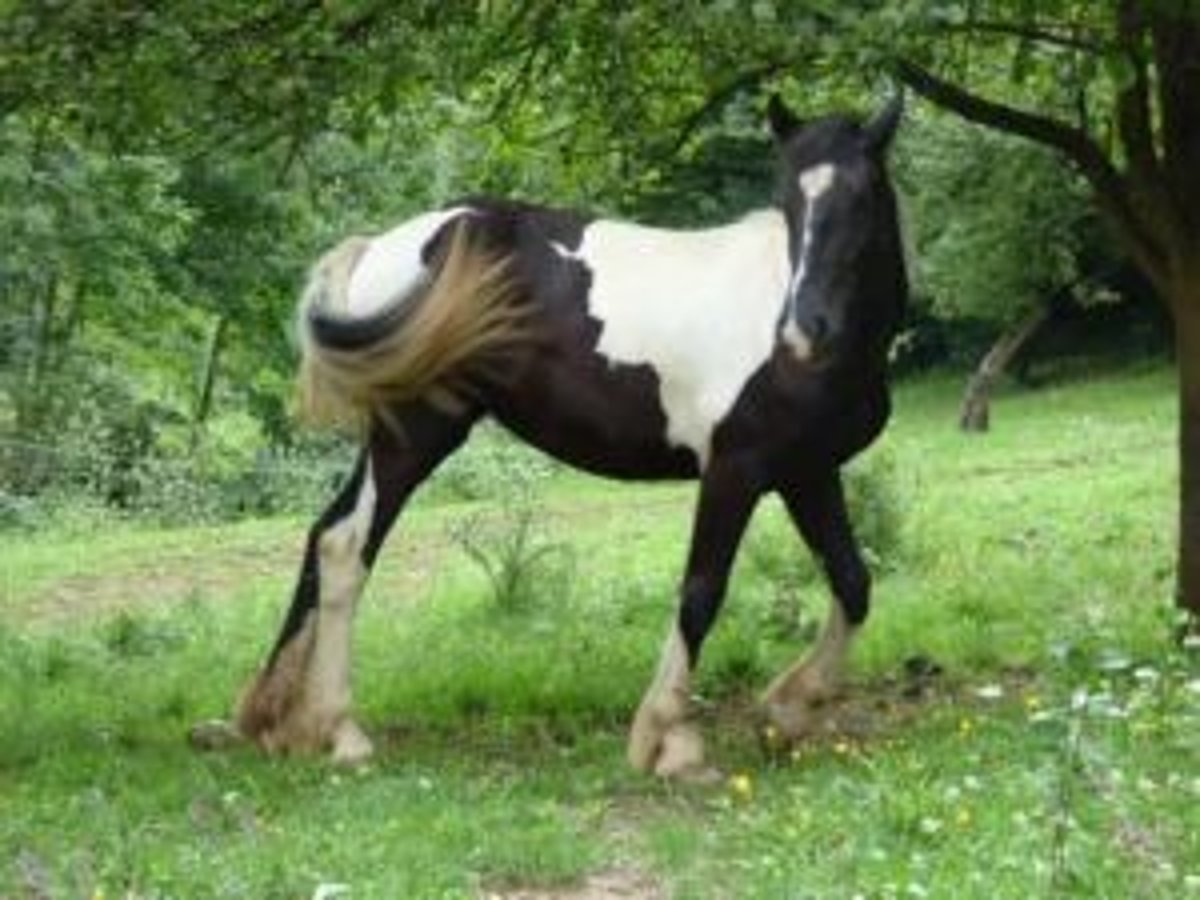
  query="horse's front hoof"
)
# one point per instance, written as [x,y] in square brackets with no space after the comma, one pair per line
[681,754]
[674,752]
[215,734]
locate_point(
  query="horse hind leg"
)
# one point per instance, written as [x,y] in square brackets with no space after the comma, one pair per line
[301,699]
[796,701]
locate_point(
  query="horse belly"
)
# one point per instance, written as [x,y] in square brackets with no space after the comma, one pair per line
[605,421]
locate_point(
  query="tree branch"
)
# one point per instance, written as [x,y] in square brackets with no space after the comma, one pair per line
[1133,99]
[1111,189]
[532,62]
[1176,41]
[716,100]
[1028,33]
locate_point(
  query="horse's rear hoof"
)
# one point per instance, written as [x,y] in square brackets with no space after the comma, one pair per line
[351,747]
[215,734]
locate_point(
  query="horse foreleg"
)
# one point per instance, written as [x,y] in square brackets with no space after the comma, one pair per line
[794,701]
[301,699]
[662,740]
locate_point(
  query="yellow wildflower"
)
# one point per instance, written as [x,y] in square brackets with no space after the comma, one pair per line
[742,787]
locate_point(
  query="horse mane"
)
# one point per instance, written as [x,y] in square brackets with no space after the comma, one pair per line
[434,344]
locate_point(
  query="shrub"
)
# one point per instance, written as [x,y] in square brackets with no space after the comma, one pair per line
[874,495]
[523,567]
[493,464]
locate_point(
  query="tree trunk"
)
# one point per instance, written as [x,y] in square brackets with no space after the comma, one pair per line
[30,398]
[976,405]
[207,380]
[1187,343]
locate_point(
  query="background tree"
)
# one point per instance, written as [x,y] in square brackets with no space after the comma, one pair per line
[1003,234]
[613,104]
[1115,90]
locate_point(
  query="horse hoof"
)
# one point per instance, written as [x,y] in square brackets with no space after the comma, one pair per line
[351,747]
[681,757]
[215,734]
[783,725]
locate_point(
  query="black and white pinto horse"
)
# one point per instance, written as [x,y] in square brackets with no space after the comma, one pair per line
[750,356]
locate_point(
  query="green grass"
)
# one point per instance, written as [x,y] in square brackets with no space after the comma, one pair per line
[1057,754]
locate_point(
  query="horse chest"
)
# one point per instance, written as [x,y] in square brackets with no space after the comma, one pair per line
[698,308]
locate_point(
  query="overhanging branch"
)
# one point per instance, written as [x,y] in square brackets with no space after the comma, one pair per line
[717,99]
[1112,192]
[1031,33]
[1133,98]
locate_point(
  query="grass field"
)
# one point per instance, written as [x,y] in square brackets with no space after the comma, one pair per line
[1018,722]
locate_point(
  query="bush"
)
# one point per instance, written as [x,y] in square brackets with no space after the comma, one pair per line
[523,567]
[206,485]
[874,496]
[491,465]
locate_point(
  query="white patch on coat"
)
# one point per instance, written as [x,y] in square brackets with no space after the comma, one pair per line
[814,182]
[341,576]
[795,338]
[391,266]
[700,307]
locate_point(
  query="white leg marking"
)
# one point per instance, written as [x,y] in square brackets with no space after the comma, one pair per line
[793,698]
[342,573]
[661,741]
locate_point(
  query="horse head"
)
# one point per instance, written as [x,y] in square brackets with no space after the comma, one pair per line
[848,287]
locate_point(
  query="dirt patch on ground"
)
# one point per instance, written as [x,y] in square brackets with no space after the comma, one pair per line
[222,574]
[865,714]
[624,883]
[227,570]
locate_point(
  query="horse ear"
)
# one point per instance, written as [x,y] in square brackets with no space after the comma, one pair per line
[878,133]
[784,123]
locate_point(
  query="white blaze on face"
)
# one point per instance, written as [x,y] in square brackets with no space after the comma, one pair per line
[391,266]
[699,307]
[814,182]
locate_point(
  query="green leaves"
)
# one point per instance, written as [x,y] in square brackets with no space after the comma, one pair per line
[999,223]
